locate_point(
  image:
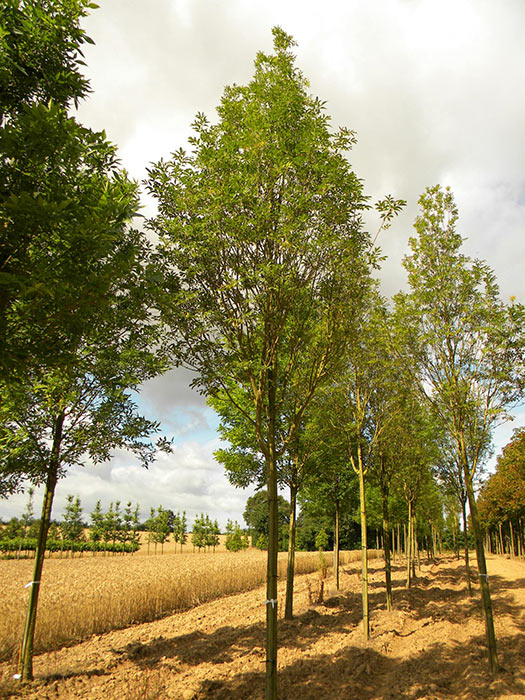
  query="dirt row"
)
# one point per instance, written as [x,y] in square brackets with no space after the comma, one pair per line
[431,646]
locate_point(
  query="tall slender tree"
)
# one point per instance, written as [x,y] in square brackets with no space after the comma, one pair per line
[262,242]
[469,347]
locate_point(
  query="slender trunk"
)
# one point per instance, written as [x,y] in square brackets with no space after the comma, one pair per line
[483,576]
[414,543]
[416,548]
[393,541]
[288,613]
[408,545]
[336,543]
[273,546]
[26,655]
[512,550]
[465,536]
[364,550]
[501,545]
[387,547]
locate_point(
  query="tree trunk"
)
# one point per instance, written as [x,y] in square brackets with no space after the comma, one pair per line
[26,655]
[465,535]
[393,541]
[364,549]
[416,546]
[386,548]
[288,613]
[273,547]
[336,543]
[415,550]
[512,550]
[501,544]
[408,545]
[483,576]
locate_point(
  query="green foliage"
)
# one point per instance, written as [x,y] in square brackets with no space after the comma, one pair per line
[205,532]
[8,546]
[130,522]
[13,529]
[48,192]
[260,226]
[467,342]
[112,523]
[161,526]
[96,528]
[321,541]
[256,516]
[262,541]
[236,539]
[180,534]
[502,497]
[40,53]
[72,527]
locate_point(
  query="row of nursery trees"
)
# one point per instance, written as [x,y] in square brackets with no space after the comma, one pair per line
[502,500]
[261,281]
[115,530]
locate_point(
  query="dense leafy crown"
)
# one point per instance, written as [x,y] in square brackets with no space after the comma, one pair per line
[40,53]
[260,218]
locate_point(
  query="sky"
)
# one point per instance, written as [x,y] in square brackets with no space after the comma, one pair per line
[434,92]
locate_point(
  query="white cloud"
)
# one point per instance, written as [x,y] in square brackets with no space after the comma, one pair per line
[188,479]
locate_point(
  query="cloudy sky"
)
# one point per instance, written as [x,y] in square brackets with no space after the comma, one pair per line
[434,92]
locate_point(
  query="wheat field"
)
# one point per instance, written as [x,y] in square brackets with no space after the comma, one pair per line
[91,595]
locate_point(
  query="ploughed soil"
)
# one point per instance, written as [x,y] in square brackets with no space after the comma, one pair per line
[431,646]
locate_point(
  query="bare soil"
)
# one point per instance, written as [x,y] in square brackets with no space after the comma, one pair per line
[430,647]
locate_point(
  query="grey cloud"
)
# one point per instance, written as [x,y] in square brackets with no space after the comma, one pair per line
[173,389]
[433,91]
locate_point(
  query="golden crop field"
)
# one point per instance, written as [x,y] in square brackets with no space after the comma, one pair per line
[90,595]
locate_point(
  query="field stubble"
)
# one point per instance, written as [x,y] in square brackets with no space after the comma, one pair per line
[91,595]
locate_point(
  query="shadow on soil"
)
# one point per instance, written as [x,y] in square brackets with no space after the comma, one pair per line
[441,671]
[457,672]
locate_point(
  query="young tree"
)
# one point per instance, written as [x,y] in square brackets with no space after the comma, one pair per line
[198,534]
[112,523]
[130,522]
[149,526]
[331,489]
[161,527]
[469,348]
[72,527]
[262,226]
[54,418]
[180,533]
[355,411]
[236,539]
[96,528]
